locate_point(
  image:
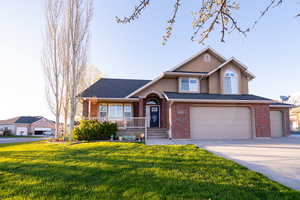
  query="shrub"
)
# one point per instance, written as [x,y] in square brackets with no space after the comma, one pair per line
[94,130]
[108,129]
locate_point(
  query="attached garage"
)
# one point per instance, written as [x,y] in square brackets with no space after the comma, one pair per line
[220,123]
[22,131]
[276,119]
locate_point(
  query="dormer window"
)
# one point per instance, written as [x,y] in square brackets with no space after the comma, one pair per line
[188,84]
[231,82]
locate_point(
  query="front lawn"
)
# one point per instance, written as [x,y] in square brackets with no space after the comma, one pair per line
[107,170]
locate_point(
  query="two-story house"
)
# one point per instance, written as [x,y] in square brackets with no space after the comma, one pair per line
[205,97]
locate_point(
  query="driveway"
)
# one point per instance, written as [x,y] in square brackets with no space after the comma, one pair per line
[278,159]
[18,139]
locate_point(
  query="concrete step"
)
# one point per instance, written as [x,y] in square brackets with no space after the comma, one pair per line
[158,137]
[156,133]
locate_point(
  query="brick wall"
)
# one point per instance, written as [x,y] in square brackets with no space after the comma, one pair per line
[262,120]
[180,121]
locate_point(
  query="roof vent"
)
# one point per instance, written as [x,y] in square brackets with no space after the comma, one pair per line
[207,58]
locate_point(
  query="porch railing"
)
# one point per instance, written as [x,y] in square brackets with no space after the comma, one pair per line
[127,123]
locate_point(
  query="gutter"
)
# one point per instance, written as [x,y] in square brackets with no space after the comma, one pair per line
[219,101]
[110,99]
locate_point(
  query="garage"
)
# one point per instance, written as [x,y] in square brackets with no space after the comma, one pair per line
[220,123]
[22,131]
[276,124]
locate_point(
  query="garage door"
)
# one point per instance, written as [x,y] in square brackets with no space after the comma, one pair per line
[220,123]
[21,131]
[276,124]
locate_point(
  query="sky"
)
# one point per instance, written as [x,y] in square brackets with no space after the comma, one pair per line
[271,51]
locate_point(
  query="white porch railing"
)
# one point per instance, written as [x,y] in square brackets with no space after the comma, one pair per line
[127,123]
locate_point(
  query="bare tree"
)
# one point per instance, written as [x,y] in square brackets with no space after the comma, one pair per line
[52,67]
[78,18]
[294,99]
[90,75]
[212,15]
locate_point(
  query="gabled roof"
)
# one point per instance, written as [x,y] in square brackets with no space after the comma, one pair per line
[112,88]
[172,70]
[215,97]
[21,120]
[215,53]
[237,62]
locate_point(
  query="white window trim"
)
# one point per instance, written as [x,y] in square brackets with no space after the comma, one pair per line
[107,110]
[184,91]
[237,82]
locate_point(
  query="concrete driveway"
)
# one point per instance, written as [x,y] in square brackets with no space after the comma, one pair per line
[18,139]
[278,159]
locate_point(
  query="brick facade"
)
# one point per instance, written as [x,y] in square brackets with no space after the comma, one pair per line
[180,121]
[262,120]
[176,116]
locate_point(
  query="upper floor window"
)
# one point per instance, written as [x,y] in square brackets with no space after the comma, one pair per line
[188,84]
[231,82]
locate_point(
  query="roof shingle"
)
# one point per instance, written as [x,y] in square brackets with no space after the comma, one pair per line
[205,96]
[113,88]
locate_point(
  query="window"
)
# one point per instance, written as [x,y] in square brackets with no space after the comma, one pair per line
[127,111]
[189,84]
[115,112]
[230,82]
[103,112]
[152,102]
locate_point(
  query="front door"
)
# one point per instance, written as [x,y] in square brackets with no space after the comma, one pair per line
[154,116]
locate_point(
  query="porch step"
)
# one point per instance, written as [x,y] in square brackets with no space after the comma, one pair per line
[157,133]
[158,137]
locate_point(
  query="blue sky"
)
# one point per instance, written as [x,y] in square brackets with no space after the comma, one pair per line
[271,51]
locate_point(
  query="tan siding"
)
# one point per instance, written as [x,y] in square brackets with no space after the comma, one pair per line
[244,84]
[204,86]
[199,65]
[165,84]
[214,83]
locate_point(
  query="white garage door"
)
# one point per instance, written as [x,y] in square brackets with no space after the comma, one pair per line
[22,131]
[276,124]
[220,123]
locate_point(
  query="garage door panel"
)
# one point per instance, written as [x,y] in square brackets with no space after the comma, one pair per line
[276,124]
[220,123]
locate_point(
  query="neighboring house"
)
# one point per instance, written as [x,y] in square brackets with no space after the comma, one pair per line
[295,118]
[205,97]
[28,125]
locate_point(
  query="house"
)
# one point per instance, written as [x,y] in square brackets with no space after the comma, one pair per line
[28,125]
[295,118]
[204,97]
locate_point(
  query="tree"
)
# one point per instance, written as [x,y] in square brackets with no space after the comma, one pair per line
[294,99]
[212,15]
[52,67]
[78,18]
[90,75]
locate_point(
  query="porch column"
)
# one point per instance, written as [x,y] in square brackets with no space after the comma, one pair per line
[85,108]
[141,107]
[164,113]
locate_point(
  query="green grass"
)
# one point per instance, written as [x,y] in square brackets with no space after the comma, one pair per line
[107,170]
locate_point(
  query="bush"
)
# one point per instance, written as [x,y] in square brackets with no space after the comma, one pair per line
[108,129]
[94,130]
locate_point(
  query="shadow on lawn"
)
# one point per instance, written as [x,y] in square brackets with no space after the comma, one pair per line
[116,172]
